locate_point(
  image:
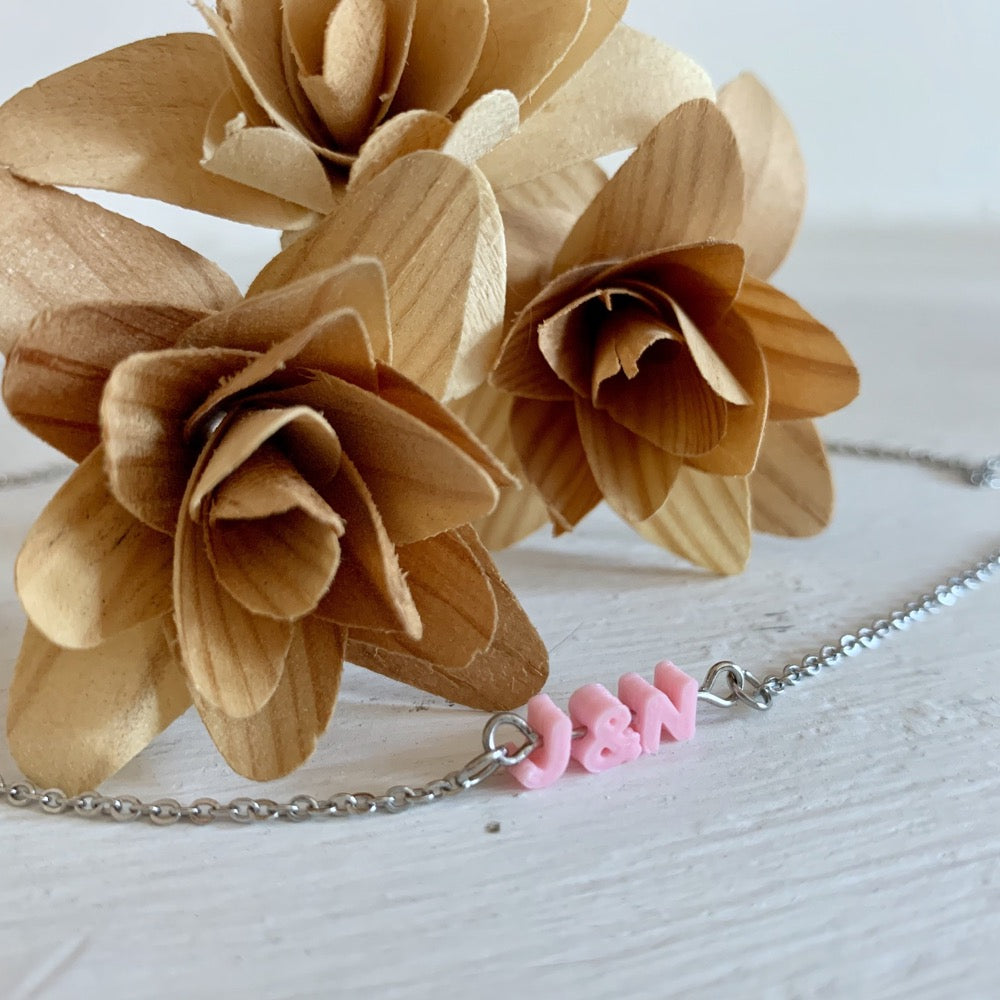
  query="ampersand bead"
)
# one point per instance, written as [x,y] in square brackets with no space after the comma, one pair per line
[609,740]
[548,762]
[669,705]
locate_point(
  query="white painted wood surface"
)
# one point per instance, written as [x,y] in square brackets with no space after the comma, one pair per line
[845,845]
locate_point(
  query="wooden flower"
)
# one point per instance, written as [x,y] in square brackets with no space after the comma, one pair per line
[266,119]
[259,495]
[654,359]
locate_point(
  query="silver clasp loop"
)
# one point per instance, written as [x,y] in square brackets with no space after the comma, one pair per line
[988,474]
[501,755]
[743,688]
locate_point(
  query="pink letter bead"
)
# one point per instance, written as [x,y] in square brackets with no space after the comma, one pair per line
[668,707]
[549,762]
[608,741]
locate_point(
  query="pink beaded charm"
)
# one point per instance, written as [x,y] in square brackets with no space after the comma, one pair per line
[549,762]
[669,705]
[609,740]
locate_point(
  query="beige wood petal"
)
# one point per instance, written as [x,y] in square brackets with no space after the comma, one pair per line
[273,541]
[398,39]
[736,454]
[775,173]
[266,319]
[395,138]
[513,669]
[233,658]
[668,402]
[132,120]
[75,717]
[408,396]
[537,217]
[525,43]
[455,600]
[72,251]
[421,482]
[447,41]
[548,445]
[88,570]
[144,411]
[520,509]
[484,124]
[447,309]
[275,161]
[633,475]
[611,104]
[684,184]
[705,520]
[370,589]
[283,734]
[250,34]
[792,487]
[809,371]
[57,370]
[602,18]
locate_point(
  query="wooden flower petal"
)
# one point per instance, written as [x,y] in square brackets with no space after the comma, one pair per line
[667,402]
[75,717]
[506,675]
[520,509]
[611,104]
[602,19]
[408,396]
[484,124]
[548,445]
[519,54]
[277,162]
[88,570]
[446,309]
[684,184]
[132,120]
[421,482]
[633,475]
[810,372]
[447,41]
[283,734]
[401,135]
[705,520]
[57,370]
[538,215]
[775,173]
[792,488]
[261,322]
[398,41]
[736,453]
[234,659]
[370,589]
[455,600]
[273,542]
[74,251]
[146,404]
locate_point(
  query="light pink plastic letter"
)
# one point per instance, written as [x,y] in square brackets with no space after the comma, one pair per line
[669,707]
[609,740]
[549,762]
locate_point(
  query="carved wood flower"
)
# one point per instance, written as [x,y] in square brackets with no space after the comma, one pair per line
[259,495]
[654,359]
[268,118]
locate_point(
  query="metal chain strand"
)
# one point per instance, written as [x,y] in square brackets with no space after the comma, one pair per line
[744,688]
[741,688]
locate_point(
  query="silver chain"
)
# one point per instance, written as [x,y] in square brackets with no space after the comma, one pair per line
[739,687]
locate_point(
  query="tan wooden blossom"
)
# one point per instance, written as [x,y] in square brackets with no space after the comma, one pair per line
[654,366]
[259,495]
[267,119]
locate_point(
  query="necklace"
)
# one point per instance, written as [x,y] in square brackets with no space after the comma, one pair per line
[614,730]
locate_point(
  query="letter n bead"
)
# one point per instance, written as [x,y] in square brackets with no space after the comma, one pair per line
[609,740]
[668,707]
[549,762]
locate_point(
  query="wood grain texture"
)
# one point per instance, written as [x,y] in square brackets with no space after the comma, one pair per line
[843,847]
